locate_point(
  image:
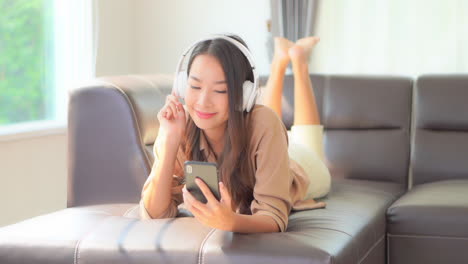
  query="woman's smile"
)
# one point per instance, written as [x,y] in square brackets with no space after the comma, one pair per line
[204,115]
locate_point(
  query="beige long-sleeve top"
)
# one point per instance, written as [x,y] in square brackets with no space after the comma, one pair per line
[280,182]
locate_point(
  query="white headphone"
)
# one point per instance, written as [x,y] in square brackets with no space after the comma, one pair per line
[250,90]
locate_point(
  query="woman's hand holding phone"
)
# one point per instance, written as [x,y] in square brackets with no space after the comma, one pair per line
[216,214]
[172,121]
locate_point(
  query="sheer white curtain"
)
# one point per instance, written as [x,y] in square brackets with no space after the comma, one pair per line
[75,47]
[391,37]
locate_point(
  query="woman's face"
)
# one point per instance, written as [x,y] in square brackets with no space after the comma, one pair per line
[206,97]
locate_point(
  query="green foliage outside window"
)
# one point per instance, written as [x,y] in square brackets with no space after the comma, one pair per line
[26,61]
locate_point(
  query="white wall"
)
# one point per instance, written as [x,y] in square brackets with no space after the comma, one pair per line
[143,36]
[32,176]
[116,37]
[165,28]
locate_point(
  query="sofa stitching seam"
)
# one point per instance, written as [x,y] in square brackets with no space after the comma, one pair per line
[371,248]
[76,255]
[129,210]
[325,228]
[388,250]
[201,256]
[428,236]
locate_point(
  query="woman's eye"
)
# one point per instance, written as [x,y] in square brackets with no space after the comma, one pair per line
[221,92]
[195,87]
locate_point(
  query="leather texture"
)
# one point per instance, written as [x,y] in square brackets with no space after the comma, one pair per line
[112,127]
[439,205]
[429,224]
[362,115]
[441,134]
[318,81]
[368,124]
[426,249]
[350,230]
[50,238]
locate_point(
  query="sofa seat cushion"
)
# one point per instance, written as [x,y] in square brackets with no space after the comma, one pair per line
[429,224]
[351,229]
[51,238]
[109,233]
[432,209]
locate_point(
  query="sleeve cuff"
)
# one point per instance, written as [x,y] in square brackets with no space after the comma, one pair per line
[281,224]
[170,212]
[144,215]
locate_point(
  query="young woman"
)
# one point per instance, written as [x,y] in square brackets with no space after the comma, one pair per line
[265,170]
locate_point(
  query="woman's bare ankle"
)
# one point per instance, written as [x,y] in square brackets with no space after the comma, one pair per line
[298,55]
[302,49]
[281,56]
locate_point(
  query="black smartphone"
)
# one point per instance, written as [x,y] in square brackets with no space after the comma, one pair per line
[207,172]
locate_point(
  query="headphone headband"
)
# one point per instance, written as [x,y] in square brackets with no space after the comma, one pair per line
[239,45]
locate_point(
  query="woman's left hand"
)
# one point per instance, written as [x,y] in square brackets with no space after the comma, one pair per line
[216,214]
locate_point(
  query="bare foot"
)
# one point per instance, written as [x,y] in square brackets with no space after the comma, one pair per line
[282,46]
[302,49]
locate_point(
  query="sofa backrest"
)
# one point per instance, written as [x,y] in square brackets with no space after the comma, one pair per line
[318,81]
[112,126]
[440,148]
[367,124]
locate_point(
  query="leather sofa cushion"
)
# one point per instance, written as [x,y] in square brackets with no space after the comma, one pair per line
[107,233]
[441,128]
[429,224]
[362,116]
[349,230]
[51,238]
[440,102]
[431,209]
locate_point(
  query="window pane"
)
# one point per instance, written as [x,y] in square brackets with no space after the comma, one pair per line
[26,61]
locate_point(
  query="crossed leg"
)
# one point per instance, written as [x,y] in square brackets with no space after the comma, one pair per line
[306,133]
[305,107]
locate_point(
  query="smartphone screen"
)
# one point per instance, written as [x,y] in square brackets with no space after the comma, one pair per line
[207,172]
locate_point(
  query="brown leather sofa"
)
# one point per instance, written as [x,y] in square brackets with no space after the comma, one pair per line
[367,119]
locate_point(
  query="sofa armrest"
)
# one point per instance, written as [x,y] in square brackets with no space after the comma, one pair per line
[112,125]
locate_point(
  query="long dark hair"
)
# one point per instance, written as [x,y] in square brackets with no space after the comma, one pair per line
[234,163]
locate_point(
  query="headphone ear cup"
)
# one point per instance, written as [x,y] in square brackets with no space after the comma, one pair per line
[181,85]
[248,91]
[251,101]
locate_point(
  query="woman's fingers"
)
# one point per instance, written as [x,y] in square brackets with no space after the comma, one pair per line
[192,202]
[165,112]
[168,113]
[175,99]
[206,191]
[175,94]
[171,105]
[172,108]
[174,104]
[225,196]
